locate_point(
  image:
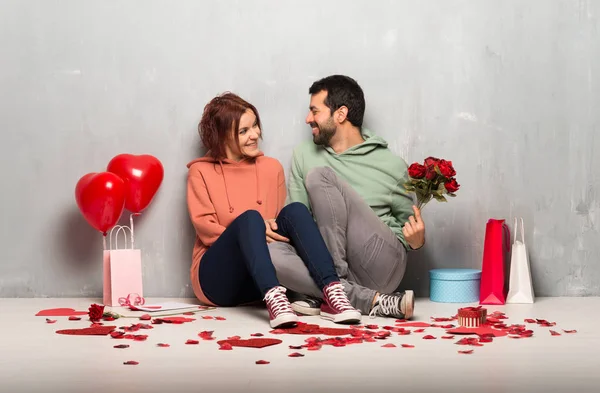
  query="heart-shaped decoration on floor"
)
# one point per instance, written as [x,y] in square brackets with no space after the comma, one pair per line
[305,328]
[478,330]
[251,342]
[91,331]
[176,320]
[60,312]
[414,324]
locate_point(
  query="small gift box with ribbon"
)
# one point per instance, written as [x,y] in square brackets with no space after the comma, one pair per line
[122,271]
[471,317]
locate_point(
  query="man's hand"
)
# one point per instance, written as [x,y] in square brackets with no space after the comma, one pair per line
[271,235]
[414,230]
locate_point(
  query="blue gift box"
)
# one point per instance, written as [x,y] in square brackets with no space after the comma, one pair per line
[454,285]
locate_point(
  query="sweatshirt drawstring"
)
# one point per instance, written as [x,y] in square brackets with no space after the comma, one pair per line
[258,200]
[226,191]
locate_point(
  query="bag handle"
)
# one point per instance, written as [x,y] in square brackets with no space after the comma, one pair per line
[506,237]
[522,230]
[120,228]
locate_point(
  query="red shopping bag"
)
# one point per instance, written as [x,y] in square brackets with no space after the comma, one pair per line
[495,250]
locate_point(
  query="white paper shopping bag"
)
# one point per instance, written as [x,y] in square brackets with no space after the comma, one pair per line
[122,270]
[520,284]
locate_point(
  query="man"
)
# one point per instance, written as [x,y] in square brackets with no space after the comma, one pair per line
[353,185]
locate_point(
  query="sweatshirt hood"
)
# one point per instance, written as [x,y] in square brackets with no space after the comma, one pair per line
[232,165]
[371,143]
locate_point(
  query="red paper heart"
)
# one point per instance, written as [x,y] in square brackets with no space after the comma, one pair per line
[95,331]
[479,331]
[414,324]
[252,342]
[142,175]
[60,312]
[176,319]
[304,328]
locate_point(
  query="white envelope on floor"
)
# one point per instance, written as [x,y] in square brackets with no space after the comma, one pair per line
[168,306]
[520,284]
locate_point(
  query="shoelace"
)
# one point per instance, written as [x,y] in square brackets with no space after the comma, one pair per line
[338,297]
[277,301]
[386,306]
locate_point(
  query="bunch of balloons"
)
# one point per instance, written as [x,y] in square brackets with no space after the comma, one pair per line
[130,182]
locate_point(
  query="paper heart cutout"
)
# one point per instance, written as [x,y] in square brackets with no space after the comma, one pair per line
[176,319]
[478,330]
[414,324]
[304,328]
[91,331]
[252,342]
[60,312]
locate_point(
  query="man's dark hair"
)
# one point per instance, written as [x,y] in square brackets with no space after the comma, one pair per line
[342,91]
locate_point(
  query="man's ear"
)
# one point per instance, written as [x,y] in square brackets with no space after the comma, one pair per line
[341,114]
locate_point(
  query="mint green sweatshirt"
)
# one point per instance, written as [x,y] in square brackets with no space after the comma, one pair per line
[371,168]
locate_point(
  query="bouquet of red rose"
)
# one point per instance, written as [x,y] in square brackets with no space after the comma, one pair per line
[432,180]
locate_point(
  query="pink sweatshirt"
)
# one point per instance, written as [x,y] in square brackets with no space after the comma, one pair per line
[219,191]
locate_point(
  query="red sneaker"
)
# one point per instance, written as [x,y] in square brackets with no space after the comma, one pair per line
[337,307]
[280,310]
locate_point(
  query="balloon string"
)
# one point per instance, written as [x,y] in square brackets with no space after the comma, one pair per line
[131,224]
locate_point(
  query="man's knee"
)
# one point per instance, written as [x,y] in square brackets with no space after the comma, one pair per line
[316,176]
[280,253]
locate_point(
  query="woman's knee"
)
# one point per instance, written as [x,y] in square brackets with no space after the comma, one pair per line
[295,209]
[252,217]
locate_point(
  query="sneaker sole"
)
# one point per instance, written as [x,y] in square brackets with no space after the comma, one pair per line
[284,321]
[305,310]
[347,317]
[408,300]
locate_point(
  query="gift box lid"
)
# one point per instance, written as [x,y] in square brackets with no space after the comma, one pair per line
[455,274]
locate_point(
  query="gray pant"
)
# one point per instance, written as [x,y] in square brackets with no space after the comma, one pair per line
[368,256]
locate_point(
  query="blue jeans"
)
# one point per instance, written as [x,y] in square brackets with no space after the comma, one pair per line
[237,268]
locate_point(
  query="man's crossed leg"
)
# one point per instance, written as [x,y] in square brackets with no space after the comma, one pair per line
[368,256]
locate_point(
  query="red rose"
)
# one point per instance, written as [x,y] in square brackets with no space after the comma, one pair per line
[446,168]
[431,173]
[417,171]
[452,186]
[429,161]
[95,312]
[430,164]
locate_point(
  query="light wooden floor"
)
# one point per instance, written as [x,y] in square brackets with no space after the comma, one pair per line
[33,358]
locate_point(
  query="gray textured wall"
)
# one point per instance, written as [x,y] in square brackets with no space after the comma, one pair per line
[508,90]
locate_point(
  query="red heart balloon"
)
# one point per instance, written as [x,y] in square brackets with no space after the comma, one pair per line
[101,199]
[142,174]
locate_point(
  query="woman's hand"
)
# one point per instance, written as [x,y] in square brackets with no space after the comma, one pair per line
[271,226]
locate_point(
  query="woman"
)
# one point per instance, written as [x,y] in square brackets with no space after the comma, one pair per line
[236,203]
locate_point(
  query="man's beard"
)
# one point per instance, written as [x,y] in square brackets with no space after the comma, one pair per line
[326,132]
